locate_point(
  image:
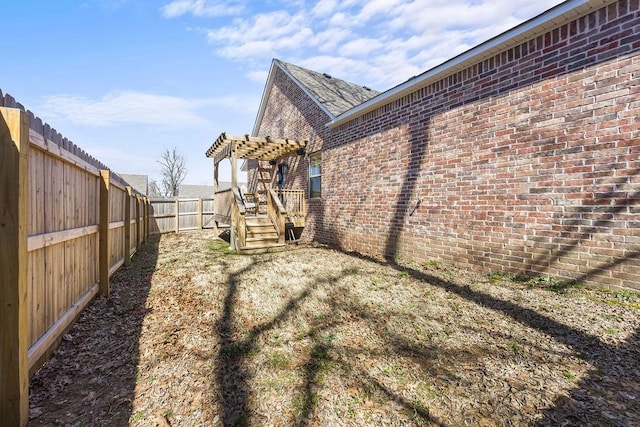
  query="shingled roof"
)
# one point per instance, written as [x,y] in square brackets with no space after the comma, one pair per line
[334,96]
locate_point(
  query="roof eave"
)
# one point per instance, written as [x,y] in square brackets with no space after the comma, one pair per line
[532,28]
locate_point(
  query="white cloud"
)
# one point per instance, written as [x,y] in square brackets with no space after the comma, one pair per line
[262,36]
[131,107]
[200,8]
[377,8]
[328,41]
[359,47]
[378,43]
[324,7]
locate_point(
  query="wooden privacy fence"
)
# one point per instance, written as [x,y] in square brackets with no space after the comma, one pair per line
[66,225]
[175,215]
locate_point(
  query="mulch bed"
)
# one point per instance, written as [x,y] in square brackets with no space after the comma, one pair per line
[195,336]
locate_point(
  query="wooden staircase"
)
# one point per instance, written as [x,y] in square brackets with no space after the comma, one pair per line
[261,235]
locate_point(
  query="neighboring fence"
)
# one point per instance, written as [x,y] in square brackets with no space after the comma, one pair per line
[193,214]
[66,225]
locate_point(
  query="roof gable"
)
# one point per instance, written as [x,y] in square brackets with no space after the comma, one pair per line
[334,96]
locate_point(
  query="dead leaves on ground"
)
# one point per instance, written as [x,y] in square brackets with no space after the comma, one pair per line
[194,335]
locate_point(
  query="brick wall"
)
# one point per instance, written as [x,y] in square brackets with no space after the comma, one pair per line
[525,162]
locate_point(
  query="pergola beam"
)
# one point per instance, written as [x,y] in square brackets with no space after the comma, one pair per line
[253,147]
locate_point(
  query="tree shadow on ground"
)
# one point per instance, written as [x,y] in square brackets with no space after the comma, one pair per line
[233,374]
[91,378]
[232,386]
[608,396]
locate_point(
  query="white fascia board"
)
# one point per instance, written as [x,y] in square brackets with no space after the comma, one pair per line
[263,100]
[553,18]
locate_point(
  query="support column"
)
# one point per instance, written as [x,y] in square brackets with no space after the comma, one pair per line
[234,187]
[234,166]
[14,259]
[216,167]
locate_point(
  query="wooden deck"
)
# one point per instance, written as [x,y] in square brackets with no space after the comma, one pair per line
[260,221]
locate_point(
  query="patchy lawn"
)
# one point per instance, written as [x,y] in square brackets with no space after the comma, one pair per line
[194,335]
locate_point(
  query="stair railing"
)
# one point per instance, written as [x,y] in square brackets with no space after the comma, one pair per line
[276,213]
[238,220]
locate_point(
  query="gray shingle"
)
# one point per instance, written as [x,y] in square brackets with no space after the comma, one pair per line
[336,95]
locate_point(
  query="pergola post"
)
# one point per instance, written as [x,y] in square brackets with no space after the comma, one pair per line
[234,187]
[234,165]
[216,167]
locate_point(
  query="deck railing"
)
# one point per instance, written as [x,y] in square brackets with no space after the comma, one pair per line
[293,201]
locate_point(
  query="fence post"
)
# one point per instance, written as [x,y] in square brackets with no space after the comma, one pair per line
[127,226]
[146,219]
[200,213]
[177,215]
[14,194]
[138,224]
[104,232]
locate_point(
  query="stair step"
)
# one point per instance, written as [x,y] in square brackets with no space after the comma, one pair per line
[262,231]
[261,240]
[265,236]
[257,249]
[258,222]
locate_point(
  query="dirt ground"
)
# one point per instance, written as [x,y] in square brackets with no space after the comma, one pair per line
[196,336]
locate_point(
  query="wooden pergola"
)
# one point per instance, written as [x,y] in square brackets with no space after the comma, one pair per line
[248,148]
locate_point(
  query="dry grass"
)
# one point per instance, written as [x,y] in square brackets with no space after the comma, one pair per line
[196,336]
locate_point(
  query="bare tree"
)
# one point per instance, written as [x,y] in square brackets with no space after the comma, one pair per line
[173,171]
[154,189]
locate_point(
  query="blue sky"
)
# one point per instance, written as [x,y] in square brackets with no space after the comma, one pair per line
[125,79]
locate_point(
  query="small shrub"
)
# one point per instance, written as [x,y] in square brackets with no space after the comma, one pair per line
[627,297]
[495,276]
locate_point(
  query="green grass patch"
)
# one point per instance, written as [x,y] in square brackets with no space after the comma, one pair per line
[219,247]
[516,348]
[349,271]
[568,375]
[280,360]
[495,276]
[304,404]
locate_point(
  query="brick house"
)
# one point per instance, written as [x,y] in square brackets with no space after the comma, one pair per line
[519,155]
